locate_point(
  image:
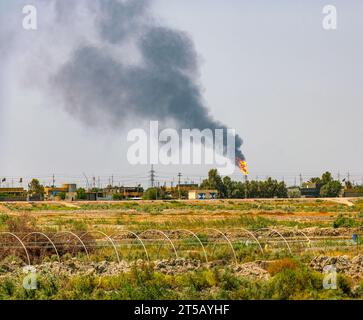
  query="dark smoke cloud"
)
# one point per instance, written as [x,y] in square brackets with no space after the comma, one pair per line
[99,88]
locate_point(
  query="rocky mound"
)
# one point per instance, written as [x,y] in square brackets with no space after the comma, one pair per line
[251,270]
[352,267]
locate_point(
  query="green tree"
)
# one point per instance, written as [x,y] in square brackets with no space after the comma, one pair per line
[331,189]
[36,189]
[229,187]
[321,182]
[318,182]
[81,194]
[326,178]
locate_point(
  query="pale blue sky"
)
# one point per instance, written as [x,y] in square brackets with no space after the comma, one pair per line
[292,90]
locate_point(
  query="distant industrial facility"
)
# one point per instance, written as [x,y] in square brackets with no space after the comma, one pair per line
[211,189]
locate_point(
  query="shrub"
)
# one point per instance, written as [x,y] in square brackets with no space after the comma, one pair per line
[281,265]
[359,290]
[117,196]
[295,284]
[79,225]
[4,218]
[345,284]
[7,288]
[22,224]
[345,222]
[201,280]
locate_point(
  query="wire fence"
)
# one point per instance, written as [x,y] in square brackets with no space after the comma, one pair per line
[148,244]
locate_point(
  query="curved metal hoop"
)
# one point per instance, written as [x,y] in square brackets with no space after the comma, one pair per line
[252,235]
[280,235]
[21,242]
[165,236]
[305,236]
[108,238]
[228,241]
[139,239]
[77,237]
[196,237]
[45,236]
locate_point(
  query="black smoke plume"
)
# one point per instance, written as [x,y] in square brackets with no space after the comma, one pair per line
[98,86]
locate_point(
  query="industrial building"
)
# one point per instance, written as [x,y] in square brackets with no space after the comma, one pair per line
[110,193]
[309,190]
[353,193]
[202,194]
[124,192]
[13,194]
[54,193]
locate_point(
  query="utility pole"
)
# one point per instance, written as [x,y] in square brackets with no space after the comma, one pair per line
[152,176]
[301,179]
[179,177]
[53,181]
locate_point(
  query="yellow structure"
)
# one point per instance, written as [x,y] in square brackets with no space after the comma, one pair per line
[70,191]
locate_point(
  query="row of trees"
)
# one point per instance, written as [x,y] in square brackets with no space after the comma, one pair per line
[325,186]
[228,188]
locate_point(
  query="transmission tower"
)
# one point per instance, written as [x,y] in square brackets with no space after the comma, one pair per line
[152,176]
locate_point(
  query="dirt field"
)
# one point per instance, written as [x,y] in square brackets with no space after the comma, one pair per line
[252,242]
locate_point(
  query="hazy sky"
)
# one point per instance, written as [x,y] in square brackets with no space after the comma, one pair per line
[292,90]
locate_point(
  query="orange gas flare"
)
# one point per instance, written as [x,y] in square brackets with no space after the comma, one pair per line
[243,166]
